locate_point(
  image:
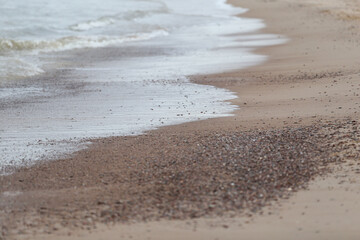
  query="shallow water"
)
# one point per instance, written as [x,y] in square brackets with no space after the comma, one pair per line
[69,73]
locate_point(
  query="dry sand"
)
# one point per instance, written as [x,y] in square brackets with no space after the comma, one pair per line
[298,123]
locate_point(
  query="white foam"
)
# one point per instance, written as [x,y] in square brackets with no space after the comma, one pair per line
[14,66]
[20,92]
[47,129]
[68,43]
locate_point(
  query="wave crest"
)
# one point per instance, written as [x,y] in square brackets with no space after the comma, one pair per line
[108,20]
[72,42]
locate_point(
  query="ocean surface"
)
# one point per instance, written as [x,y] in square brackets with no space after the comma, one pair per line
[73,70]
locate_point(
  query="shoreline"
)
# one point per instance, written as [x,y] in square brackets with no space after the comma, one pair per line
[285,100]
[109,87]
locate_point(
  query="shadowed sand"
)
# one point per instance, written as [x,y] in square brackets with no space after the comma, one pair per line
[228,178]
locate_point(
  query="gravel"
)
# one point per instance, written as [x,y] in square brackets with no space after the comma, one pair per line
[174,176]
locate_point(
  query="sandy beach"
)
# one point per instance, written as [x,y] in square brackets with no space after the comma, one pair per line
[285,166]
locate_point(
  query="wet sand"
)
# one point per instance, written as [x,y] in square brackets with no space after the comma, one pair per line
[297,128]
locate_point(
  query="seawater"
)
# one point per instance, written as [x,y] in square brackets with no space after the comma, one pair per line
[75,70]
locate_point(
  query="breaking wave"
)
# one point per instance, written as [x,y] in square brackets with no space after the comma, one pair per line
[108,20]
[72,42]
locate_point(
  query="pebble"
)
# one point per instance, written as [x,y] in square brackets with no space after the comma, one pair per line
[182,176]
